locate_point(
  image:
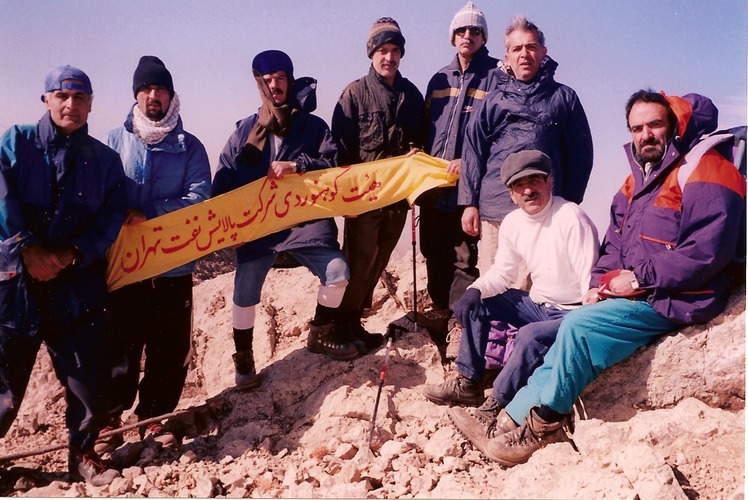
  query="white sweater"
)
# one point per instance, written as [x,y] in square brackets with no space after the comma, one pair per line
[559,246]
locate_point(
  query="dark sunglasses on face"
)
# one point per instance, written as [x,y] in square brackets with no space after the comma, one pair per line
[473,31]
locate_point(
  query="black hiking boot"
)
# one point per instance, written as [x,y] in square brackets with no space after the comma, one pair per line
[324,339]
[246,376]
[364,341]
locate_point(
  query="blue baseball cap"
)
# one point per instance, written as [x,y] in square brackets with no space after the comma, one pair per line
[67,77]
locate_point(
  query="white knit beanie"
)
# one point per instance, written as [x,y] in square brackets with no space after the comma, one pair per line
[468,16]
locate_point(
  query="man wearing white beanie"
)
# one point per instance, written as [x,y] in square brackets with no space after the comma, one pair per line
[451,97]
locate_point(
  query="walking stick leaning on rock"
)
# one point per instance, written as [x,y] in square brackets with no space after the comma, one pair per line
[382,374]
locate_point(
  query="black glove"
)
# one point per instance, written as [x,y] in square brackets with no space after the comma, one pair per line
[468,307]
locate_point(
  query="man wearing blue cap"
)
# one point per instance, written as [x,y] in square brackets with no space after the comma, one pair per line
[167,169]
[62,202]
[283,138]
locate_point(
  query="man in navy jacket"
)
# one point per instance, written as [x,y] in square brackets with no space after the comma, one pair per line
[283,138]
[62,202]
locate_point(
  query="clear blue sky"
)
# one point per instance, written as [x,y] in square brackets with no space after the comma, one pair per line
[605,49]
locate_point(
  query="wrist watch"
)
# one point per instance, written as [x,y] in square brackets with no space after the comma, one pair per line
[295,166]
[635,283]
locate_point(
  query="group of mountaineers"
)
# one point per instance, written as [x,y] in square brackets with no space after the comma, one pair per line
[507,243]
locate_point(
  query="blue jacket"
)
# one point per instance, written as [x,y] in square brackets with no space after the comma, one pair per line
[308,143]
[59,192]
[541,114]
[678,231]
[451,99]
[163,177]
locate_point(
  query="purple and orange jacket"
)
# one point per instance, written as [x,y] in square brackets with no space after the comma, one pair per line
[678,231]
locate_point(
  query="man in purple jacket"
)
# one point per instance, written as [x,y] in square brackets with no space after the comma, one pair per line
[664,263]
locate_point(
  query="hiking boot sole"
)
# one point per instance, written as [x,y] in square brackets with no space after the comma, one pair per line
[337,356]
[470,428]
[247,382]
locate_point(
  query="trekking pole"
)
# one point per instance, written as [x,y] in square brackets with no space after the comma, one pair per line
[382,374]
[118,430]
[415,286]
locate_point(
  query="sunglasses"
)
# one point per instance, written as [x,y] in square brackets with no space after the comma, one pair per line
[473,31]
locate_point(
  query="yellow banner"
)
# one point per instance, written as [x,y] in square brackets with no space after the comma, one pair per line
[264,207]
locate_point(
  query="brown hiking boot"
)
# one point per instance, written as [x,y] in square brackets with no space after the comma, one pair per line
[156,432]
[517,446]
[453,342]
[432,319]
[479,425]
[246,376]
[324,339]
[109,443]
[460,390]
[88,466]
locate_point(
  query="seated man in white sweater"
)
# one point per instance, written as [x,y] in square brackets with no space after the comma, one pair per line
[558,244]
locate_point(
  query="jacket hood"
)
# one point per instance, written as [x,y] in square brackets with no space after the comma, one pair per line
[546,71]
[697,116]
[305,91]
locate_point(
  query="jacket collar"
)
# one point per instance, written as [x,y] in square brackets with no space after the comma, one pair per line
[376,76]
[476,62]
[48,134]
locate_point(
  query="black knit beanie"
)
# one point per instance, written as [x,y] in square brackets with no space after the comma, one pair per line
[152,71]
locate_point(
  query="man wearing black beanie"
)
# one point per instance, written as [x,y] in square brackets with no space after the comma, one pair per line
[152,71]
[168,169]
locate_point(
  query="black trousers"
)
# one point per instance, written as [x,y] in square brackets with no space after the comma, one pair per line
[155,315]
[369,241]
[451,255]
[77,345]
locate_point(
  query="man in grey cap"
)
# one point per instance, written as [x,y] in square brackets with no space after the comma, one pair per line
[62,202]
[558,244]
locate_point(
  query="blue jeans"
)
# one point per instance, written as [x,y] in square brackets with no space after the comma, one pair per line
[537,326]
[327,264]
[589,340]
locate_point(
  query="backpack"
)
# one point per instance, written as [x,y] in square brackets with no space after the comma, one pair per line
[731,145]
[500,344]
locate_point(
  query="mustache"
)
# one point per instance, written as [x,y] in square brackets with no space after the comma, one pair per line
[650,142]
[530,197]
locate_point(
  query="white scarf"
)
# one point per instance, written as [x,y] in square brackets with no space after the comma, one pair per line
[154,132]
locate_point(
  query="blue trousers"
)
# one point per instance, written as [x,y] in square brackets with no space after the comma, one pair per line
[537,326]
[589,340]
[325,263]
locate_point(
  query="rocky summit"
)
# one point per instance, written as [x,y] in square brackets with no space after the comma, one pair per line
[667,423]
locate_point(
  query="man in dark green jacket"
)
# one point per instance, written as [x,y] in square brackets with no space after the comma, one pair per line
[378,116]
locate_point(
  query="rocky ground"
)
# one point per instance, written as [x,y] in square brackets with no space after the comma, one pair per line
[668,423]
